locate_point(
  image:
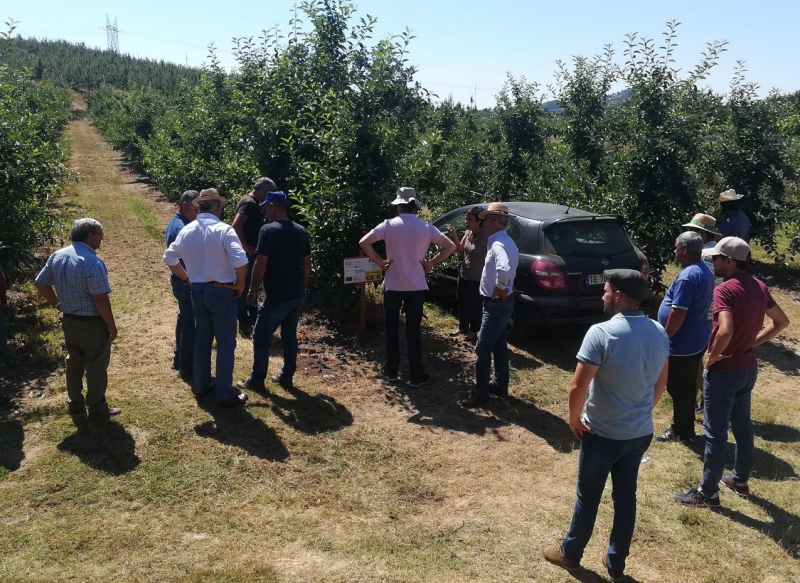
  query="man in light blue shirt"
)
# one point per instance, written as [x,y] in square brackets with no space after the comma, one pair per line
[183,354]
[497,289]
[81,292]
[623,365]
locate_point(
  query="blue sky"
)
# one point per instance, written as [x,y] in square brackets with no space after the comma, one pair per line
[459,45]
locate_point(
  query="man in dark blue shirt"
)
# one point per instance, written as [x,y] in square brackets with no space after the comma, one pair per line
[184,328]
[284,265]
[683,314]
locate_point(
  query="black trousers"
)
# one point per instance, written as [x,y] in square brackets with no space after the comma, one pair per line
[682,387]
[412,304]
[470,306]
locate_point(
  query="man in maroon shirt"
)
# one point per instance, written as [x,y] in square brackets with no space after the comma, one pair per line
[740,303]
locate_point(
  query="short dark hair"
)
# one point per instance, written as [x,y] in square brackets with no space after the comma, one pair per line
[475,211]
[188,196]
[741,264]
[411,207]
[265,183]
[208,205]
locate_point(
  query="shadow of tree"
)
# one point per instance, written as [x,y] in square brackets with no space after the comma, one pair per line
[12,436]
[103,445]
[776,432]
[766,466]
[311,414]
[784,528]
[239,428]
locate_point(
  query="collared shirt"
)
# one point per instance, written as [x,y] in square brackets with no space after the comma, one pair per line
[691,292]
[174,227]
[408,239]
[735,224]
[210,250]
[500,266]
[77,274]
[630,350]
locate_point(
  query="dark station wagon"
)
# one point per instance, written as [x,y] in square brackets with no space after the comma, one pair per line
[563,252]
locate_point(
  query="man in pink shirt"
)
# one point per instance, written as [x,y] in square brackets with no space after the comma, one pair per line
[407,241]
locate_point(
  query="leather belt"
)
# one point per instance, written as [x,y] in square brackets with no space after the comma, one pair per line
[79,317]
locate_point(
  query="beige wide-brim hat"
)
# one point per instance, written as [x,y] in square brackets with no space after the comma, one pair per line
[705,222]
[209,194]
[405,195]
[729,195]
[495,208]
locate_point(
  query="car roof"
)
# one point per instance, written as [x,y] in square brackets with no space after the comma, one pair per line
[544,211]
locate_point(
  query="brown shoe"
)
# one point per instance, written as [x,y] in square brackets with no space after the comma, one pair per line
[552,553]
[104,412]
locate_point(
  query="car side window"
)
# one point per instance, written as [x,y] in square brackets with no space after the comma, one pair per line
[456,219]
[513,230]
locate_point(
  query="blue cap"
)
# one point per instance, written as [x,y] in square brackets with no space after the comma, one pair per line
[277,196]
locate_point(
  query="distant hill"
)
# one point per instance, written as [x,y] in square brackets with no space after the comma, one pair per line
[82,67]
[613,99]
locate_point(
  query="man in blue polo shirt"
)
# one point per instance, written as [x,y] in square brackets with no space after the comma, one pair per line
[622,364]
[183,353]
[683,314]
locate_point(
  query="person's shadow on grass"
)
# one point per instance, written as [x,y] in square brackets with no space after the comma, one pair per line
[311,414]
[784,528]
[104,446]
[766,466]
[238,427]
[12,435]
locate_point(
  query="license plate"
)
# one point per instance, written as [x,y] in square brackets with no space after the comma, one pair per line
[598,279]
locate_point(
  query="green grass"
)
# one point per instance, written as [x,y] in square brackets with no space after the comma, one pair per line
[145,216]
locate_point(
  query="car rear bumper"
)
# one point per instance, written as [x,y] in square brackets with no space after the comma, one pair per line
[553,310]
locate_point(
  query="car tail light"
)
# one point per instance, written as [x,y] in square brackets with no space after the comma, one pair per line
[547,275]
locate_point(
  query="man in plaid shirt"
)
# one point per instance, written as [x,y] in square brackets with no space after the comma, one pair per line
[81,293]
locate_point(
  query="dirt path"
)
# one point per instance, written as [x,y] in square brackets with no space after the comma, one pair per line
[346,478]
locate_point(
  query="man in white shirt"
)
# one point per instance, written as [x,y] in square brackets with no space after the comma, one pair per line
[407,241]
[216,268]
[497,290]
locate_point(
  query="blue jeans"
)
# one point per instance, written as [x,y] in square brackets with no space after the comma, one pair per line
[412,303]
[246,313]
[600,456]
[3,338]
[183,354]
[726,398]
[492,341]
[270,316]
[214,316]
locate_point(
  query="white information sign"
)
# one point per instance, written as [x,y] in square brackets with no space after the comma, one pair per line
[361,270]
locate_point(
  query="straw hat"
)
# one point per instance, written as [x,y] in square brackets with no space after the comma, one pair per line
[495,208]
[209,194]
[706,223]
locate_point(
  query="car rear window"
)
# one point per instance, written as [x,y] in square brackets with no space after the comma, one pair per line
[587,238]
